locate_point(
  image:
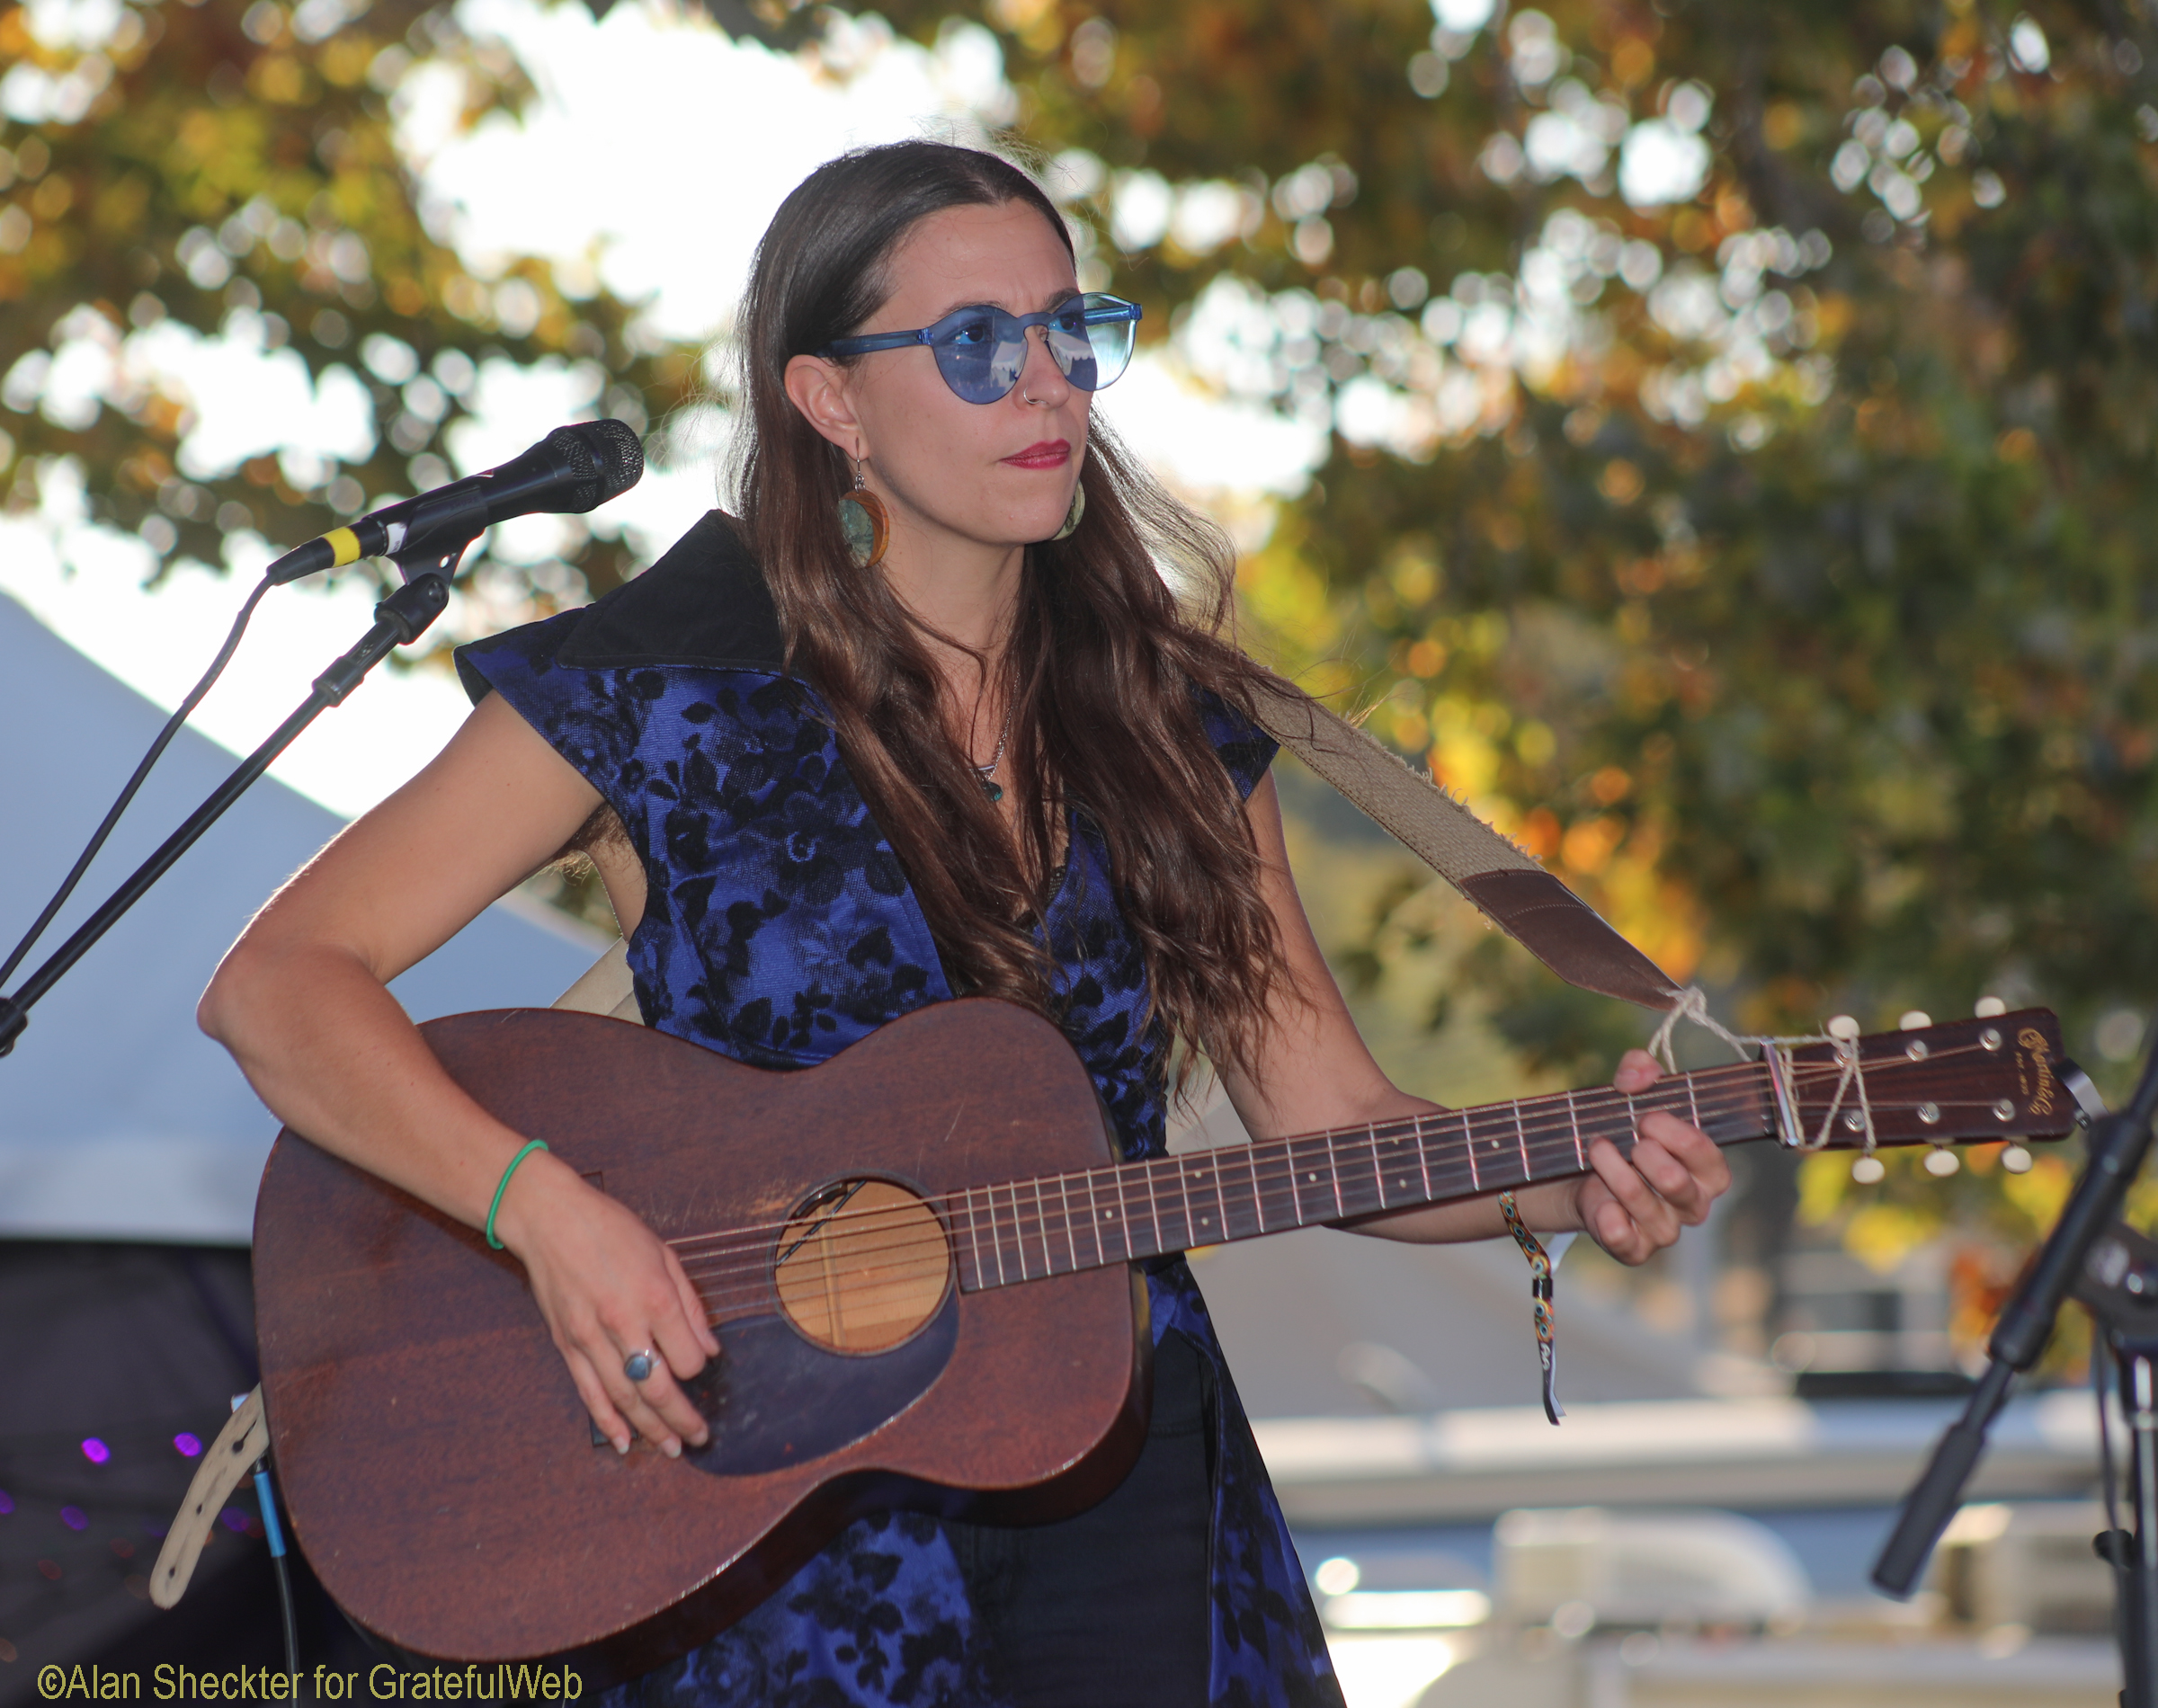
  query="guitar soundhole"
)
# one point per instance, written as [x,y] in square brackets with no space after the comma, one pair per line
[862,1266]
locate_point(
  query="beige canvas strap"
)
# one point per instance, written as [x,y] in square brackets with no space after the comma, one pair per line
[1514,893]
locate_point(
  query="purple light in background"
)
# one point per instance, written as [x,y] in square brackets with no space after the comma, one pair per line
[95,1451]
[6,1502]
[235,1520]
[188,1447]
[75,1517]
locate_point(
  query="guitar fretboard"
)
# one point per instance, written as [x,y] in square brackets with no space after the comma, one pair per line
[1026,1230]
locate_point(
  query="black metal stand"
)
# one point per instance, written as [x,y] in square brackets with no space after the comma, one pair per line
[400,620]
[2119,1286]
[2074,1258]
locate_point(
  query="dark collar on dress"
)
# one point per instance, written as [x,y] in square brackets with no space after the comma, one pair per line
[704,604]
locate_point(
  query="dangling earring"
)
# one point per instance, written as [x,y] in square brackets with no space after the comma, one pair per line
[863,522]
[1072,516]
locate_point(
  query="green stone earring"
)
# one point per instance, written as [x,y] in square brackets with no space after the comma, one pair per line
[864,524]
[1072,516]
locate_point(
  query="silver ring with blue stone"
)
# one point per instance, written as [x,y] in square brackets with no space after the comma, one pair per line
[638,1365]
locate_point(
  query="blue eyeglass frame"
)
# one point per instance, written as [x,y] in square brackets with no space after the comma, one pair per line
[985,372]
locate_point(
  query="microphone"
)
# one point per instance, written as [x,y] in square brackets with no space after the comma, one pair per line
[572,469]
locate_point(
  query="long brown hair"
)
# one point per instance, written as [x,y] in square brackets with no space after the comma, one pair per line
[1101,664]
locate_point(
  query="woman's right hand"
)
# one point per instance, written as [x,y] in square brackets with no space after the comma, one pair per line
[609,1287]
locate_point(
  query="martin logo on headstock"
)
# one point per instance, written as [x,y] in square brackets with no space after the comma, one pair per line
[2034,1052]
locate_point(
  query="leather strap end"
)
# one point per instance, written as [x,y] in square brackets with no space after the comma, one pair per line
[244,1439]
[1569,937]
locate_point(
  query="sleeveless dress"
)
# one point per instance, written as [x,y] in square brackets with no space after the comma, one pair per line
[779,928]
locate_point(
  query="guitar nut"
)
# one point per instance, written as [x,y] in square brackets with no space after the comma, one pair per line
[1930,1113]
[2005,1110]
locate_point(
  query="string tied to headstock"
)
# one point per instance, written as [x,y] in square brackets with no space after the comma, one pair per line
[1693,1005]
[1843,1033]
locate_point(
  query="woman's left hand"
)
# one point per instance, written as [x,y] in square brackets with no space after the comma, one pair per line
[1634,1208]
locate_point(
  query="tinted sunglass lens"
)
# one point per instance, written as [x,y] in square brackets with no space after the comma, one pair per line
[1074,351]
[1106,327]
[978,362]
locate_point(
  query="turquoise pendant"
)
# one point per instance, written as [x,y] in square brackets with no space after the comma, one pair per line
[994,791]
[863,525]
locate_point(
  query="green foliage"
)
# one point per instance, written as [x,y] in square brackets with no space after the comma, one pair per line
[231,167]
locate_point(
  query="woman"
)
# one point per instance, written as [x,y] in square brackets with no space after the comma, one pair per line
[925,721]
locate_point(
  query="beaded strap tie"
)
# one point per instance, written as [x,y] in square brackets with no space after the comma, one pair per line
[1539,1295]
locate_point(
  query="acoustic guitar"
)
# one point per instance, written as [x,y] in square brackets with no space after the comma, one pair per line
[921,1260]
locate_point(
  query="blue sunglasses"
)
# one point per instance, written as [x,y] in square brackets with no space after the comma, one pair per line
[982,351]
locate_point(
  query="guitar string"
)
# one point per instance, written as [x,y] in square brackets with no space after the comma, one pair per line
[1273,1188]
[1400,1127]
[1278,1158]
[1027,1227]
[1552,1113]
[1174,1177]
[1668,1093]
[1187,1199]
[858,1286]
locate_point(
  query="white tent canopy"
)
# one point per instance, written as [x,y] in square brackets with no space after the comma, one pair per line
[118,1119]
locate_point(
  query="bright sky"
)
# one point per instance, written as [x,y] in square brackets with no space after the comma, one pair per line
[658,147]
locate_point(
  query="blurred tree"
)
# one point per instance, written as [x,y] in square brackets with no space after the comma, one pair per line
[193,170]
[1740,456]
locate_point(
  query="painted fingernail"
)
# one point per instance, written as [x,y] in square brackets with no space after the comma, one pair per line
[621,1444]
[670,1447]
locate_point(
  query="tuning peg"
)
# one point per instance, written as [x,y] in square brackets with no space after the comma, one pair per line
[1915,1021]
[1868,1170]
[1844,1027]
[2016,1160]
[1943,1164]
[1989,1006]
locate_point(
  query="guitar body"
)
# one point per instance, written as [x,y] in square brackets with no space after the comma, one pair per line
[437,1463]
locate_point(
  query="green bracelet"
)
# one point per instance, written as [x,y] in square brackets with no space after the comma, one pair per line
[537,1144]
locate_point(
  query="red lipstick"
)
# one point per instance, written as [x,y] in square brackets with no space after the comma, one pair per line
[1051,453]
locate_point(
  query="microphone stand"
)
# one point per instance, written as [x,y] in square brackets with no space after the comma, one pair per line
[2117,1146]
[399,620]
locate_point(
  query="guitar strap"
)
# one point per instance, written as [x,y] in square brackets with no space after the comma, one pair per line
[1502,881]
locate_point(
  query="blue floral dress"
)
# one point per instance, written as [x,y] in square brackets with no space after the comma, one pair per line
[780,928]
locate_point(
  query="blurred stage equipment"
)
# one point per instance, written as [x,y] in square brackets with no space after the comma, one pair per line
[2114,1271]
[572,469]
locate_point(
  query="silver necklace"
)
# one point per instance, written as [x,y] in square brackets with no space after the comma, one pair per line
[993,790]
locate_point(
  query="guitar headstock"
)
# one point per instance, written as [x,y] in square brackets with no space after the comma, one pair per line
[1971,1080]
